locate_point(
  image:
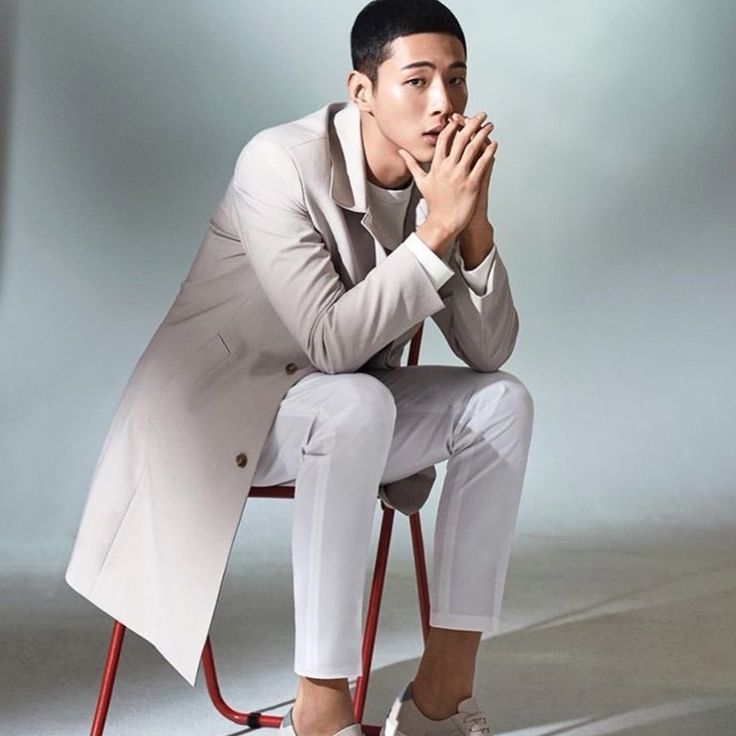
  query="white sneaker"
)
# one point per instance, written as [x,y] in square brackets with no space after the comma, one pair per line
[287,727]
[405,719]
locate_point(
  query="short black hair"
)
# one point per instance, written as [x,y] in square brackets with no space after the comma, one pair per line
[382,21]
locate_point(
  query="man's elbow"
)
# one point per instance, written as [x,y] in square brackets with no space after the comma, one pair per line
[503,346]
[331,355]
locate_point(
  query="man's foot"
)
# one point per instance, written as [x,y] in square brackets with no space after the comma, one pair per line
[405,719]
[287,727]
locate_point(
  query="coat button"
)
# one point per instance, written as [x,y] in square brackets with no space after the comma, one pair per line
[241,459]
[291,367]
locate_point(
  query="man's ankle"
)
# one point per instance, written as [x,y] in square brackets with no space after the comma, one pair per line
[432,704]
[320,719]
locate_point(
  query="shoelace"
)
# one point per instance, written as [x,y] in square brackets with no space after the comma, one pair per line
[478,723]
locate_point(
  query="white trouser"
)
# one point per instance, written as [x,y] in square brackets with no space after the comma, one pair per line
[336,437]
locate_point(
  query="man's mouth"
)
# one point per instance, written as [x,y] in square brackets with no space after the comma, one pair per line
[437,129]
[432,134]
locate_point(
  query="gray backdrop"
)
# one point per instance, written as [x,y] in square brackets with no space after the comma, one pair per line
[612,198]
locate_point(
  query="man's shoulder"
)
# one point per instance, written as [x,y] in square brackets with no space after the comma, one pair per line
[295,136]
[293,151]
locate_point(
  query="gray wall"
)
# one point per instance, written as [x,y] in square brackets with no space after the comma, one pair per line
[612,198]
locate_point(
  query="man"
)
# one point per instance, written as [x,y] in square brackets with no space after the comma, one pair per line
[279,361]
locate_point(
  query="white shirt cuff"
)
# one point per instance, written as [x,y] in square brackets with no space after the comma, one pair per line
[437,270]
[477,278]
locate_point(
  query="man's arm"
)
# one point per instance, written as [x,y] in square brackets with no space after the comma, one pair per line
[338,329]
[479,322]
[439,271]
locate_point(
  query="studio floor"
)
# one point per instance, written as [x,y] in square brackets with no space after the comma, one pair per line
[629,632]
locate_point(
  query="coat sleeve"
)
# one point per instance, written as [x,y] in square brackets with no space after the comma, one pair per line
[339,329]
[481,329]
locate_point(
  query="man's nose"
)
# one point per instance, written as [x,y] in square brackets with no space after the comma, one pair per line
[442,103]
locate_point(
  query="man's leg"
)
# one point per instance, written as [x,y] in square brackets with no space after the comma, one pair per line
[482,424]
[330,438]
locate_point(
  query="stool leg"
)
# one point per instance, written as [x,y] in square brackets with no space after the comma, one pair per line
[374,605]
[420,568]
[257,719]
[252,719]
[108,678]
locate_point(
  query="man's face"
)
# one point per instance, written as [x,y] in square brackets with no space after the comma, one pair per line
[419,87]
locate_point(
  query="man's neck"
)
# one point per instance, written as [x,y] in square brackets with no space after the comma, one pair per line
[384,167]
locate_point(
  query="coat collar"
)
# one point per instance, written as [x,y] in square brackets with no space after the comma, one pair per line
[348,173]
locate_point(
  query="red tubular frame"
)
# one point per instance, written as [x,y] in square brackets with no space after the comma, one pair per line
[257,719]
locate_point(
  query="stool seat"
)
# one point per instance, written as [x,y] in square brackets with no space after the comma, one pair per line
[409,494]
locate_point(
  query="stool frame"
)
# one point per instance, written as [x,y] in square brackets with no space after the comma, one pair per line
[258,719]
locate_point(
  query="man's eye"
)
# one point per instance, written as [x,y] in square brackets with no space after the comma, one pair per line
[417,79]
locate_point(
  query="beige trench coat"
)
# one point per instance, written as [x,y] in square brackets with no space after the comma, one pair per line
[274,293]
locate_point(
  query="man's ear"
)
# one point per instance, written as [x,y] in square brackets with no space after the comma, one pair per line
[359,89]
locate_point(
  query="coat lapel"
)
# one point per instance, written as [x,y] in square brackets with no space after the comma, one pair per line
[348,190]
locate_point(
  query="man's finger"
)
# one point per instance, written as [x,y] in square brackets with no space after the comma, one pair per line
[411,163]
[461,120]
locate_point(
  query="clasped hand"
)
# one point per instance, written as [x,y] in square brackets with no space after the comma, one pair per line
[456,186]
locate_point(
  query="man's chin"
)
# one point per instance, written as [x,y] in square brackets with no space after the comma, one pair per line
[426,165]
[422,156]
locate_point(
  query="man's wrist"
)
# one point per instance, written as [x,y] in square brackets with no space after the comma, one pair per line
[475,242]
[437,237]
[483,230]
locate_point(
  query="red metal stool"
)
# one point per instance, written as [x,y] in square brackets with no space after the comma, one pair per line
[256,719]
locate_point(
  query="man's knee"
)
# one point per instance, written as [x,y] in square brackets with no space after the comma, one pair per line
[518,395]
[506,393]
[361,401]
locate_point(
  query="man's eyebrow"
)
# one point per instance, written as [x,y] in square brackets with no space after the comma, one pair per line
[455,64]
